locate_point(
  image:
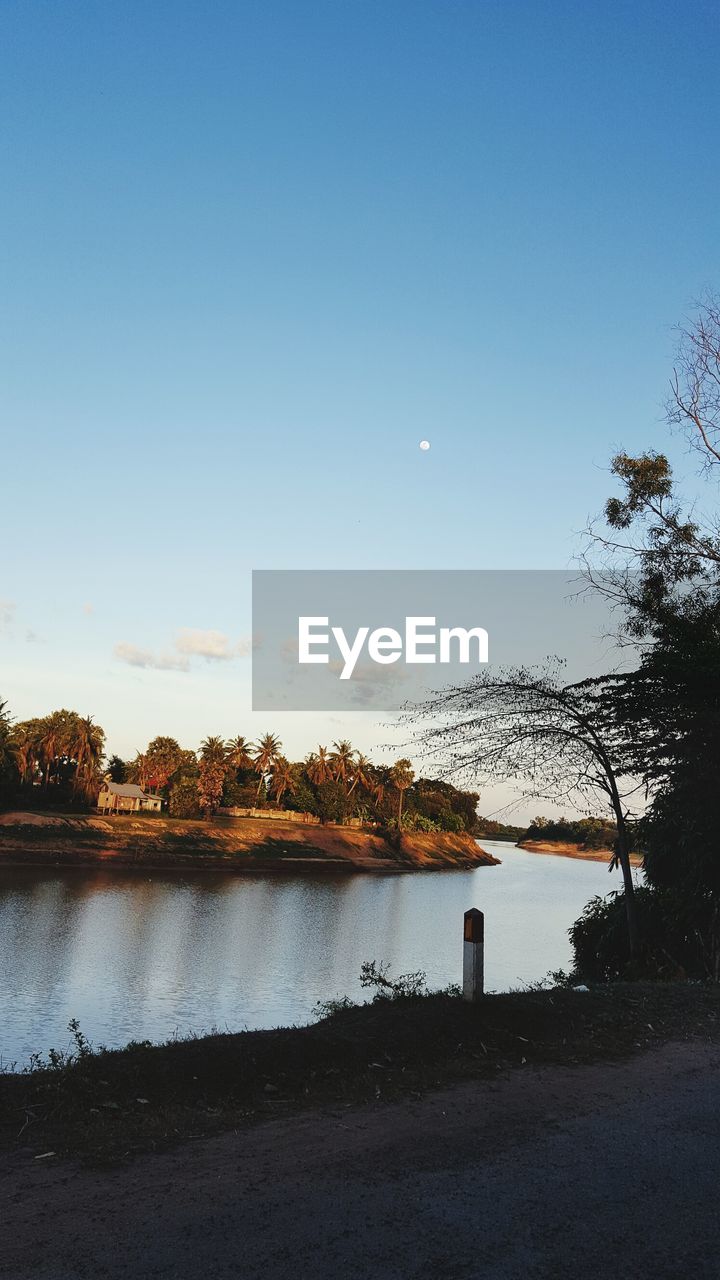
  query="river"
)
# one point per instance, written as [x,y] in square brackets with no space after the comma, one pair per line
[148,956]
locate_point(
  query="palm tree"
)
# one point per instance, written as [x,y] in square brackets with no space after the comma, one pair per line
[7,754]
[139,769]
[342,760]
[318,766]
[25,747]
[266,752]
[379,782]
[361,773]
[238,753]
[86,749]
[402,776]
[283,779]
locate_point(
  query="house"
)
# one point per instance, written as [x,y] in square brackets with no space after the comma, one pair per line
[126,797]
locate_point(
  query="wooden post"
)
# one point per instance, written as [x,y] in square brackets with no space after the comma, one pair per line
[473,954]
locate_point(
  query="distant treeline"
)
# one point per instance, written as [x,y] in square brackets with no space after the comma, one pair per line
[494,830]
[589,833]
[59,761]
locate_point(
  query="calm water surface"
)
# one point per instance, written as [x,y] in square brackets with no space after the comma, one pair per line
[136,956]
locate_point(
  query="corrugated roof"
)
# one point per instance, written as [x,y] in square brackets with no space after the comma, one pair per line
[125,789]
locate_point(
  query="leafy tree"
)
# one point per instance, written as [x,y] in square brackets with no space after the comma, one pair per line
[443,804]
[662,566]
[187,765]
[659,559]
[162,760]
[332,801]
[117,769]
[213,767]
[671,708]
[660,562]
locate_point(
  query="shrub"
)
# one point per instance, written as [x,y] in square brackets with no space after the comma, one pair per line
[679,937]
[184,799]
[418,822]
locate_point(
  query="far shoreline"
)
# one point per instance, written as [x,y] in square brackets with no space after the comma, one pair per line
[566,849]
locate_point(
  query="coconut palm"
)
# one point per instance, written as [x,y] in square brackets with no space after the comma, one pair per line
[138,770]
[318,766]
[342,761]
[402,776]
[238,753]
[86,748]
[7,755]
[265,753]
[25,745]
[380,782]
[361,773]
[283,779]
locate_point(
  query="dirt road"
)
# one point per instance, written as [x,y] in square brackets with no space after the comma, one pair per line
[608,1170]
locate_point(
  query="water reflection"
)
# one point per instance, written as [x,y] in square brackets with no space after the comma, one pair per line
[135,956]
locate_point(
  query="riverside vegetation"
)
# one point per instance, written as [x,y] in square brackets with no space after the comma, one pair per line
[53,766]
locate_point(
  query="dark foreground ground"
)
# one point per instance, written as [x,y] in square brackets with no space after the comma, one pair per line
[599,1170]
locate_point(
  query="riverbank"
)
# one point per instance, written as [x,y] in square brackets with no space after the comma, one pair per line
[239,844]
[113,1105]
[568,849]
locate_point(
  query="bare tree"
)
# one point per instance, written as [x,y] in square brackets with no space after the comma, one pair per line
[562,742]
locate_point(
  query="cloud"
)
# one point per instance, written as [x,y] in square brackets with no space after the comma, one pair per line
[135,657]
[214,646]
[7,613]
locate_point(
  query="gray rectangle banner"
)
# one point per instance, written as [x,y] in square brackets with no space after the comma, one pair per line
[363,640]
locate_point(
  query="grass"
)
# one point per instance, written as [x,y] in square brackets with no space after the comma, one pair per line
[109,1105]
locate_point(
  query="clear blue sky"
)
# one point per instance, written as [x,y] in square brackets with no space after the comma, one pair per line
[252,253]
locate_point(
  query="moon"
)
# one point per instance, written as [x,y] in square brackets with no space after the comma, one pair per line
[424,445]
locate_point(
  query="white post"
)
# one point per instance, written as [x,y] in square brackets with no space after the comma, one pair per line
[473,954]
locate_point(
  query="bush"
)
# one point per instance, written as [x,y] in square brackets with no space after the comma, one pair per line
[679,937]
[238,795]
[332,802]
[184,799]
[418,822]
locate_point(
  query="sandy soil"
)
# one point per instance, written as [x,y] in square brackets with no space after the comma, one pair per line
[241,842]
[598,1171]
[565,849]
